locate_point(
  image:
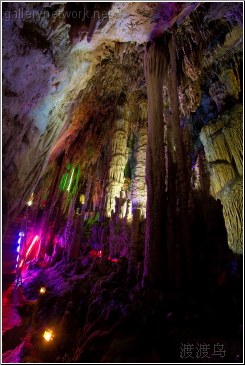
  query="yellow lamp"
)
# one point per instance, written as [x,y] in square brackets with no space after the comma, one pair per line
[82,198]
[48,335]
[42,290]
[30,201]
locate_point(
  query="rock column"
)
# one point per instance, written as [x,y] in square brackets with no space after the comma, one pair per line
[155,166]
[118,160]
[139,185]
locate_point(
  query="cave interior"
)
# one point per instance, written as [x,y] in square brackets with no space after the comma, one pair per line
[122,182]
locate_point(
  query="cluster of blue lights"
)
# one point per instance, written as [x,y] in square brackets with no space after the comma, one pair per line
[21,235]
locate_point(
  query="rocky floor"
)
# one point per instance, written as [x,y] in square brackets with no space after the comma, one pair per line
[99,314]
[13,327]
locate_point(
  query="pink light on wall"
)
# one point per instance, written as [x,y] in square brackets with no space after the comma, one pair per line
[96,253]
[114,260]
[34,241]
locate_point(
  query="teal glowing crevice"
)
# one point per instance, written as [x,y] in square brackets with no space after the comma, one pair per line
[71,178]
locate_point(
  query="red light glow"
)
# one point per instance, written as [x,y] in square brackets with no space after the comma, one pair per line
[21,263]
[35,240]
[114,260]
[96,253]
[99,253]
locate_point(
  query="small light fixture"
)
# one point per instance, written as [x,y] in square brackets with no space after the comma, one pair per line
[82,198]
[30,201]
[42,290]
[21,263]
[48,335]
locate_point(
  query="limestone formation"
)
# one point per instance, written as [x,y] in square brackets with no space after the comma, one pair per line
[118,161]
[222,142]
[155,164]
[231,197]
[139,185]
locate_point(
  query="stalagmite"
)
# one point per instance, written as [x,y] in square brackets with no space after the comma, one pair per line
[75,240]
[136,249]
[139,184]
[155,165]
[118,160]
[52,199]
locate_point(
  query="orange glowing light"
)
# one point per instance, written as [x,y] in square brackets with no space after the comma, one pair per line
[42,290]
[30,201]
[48,335]
[21,263]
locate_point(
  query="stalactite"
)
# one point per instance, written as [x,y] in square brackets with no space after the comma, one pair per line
[182,168]
[220,174]
[231,198]
[233,136]
[222,143]
[138,194]
[118,160]
[155,166]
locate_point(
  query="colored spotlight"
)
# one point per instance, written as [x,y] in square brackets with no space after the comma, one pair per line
[42,290]
[48,335]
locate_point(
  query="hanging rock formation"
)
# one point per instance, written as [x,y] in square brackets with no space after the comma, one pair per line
[223,146]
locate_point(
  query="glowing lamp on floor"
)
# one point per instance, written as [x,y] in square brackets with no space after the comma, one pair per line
[48,335]
[42,290]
